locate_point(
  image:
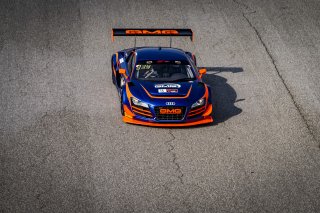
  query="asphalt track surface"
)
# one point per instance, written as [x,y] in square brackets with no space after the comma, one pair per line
[64,147]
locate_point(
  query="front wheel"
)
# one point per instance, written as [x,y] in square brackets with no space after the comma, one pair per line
[112,74]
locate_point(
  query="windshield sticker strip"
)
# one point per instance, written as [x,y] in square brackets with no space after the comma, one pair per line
[167,90]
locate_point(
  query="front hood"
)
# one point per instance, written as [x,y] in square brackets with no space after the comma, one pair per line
[166,89]
[188,92]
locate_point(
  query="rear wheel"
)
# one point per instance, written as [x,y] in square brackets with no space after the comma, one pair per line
[121,106]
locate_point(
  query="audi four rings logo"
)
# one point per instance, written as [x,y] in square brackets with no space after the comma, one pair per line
[170,103]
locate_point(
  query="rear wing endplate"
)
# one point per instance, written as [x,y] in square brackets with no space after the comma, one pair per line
[151,32]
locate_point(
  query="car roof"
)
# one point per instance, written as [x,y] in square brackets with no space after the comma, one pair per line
[160,53]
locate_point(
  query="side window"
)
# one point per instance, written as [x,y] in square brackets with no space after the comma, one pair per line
[194,67]
[131,62]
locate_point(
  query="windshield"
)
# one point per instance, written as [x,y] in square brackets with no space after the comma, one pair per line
[164,71]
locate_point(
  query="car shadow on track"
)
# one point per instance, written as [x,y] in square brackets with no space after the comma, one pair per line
[224,95]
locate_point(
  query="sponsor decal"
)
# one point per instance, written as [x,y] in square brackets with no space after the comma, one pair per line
[172,90]
[167,90]
[143,67]
[167,85]
[121,60]
[170,111]
[170,103]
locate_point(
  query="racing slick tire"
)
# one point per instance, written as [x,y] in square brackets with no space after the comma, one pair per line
[112,75]
[121,106]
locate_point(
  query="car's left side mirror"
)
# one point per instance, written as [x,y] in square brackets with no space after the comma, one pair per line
[202,72]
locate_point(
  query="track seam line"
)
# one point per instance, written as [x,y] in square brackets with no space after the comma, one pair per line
[244,14]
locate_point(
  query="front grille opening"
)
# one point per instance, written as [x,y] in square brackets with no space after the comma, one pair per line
[142,111]
[169,117]
[196,111]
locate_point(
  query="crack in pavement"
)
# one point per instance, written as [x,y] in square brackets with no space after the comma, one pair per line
[174,156]
[245,15]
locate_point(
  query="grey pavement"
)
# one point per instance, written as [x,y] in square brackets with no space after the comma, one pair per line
[64,147]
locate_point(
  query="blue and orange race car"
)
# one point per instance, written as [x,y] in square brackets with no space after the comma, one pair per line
[160,86]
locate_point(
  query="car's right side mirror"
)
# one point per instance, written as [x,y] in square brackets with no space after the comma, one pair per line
[202,72]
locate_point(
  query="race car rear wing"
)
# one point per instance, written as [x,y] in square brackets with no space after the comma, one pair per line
[151,32]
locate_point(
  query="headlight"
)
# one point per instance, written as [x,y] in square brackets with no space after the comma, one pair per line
[200,102]
[137,102]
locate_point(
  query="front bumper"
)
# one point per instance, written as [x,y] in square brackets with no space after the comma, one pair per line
[206,118]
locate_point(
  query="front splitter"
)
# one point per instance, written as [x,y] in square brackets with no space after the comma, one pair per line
[205,120]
